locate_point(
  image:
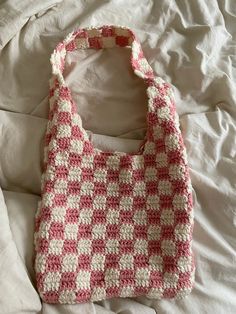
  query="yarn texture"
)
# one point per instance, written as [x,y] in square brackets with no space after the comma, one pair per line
[113,224]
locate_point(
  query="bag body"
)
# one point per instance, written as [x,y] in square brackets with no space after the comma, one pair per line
[113,224]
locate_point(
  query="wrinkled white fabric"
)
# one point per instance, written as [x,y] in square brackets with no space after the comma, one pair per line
[191,44]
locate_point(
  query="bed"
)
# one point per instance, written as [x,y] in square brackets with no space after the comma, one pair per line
[191,45]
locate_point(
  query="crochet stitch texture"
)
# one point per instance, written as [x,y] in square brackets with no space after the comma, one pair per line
[113,224]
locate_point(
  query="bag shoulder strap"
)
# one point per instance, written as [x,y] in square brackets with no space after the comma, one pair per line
[99,38]
[162,117]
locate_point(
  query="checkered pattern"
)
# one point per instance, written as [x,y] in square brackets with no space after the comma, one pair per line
[110,223]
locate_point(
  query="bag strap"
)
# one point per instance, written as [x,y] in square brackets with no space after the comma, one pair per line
[162,116]
[99,38]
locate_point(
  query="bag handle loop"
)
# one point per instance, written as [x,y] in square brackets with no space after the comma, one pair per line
[99,38]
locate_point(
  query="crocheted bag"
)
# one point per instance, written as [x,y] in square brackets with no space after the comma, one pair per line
[113,224]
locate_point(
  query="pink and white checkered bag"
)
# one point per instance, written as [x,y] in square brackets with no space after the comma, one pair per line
[113,224]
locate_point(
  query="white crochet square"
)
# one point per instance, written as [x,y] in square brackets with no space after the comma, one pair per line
[163,113]
[126,203]
[138,162]
[76,120]
[140,217]
[140,247]
[112,216]
[99,202]
[126,231]
[151,104]
[126,291]
[176,172]
[165,187]
[113,162]
[125,176]
[98,293]
[56,59]
[142,277]
[40,263]
[152,91]
[73,200]
[168,247]
[76,146]
[176,121]
[154,232]
[167,217]
[153,202]
[81,43]
[69,263]
[52,281]
[161,160]
[184,263]
[150,174]
[87,188]
[68,38]
[184,292]
[139,189]
[99,231]
[55,246]
[44,229]
[85,216]
[180,202]
[156,293]
[60,186]
[87,162]
[112,276]
[189,186]
[113,189]
[83,280]
[98,261]
[150,147]
[47,199]
[158,132]
[156,262]
[170,280]
[84,246]
[58,214]
[61,158]
[112,246]
[50,174]
[158,81]
[182,232]
[74,174]
[144,65]
[67,296]
[168,100]
[100,175]
[64,105]
[136,49]
[63,130]
[71,232]
[172,142]
[126,261]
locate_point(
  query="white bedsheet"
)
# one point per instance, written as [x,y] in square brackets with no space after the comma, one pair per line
[191,44]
